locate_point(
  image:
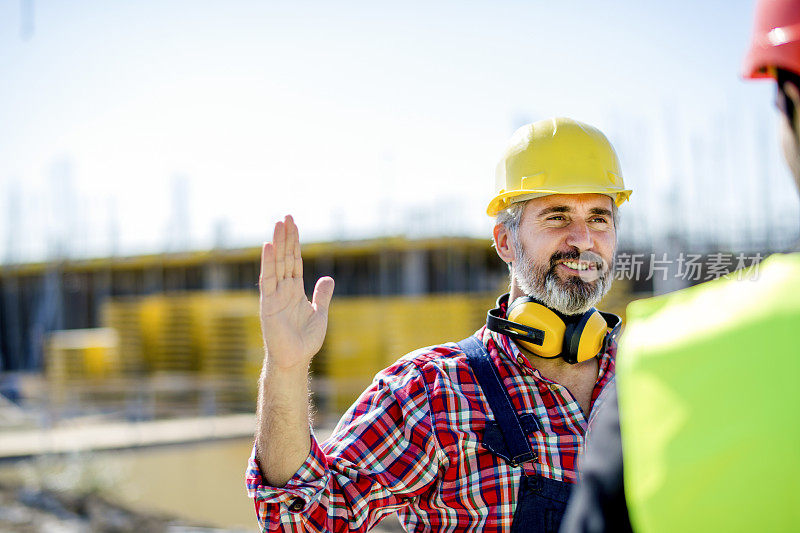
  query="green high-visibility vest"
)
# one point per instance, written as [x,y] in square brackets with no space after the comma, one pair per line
[709,396]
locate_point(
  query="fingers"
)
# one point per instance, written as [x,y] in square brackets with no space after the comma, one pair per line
[279,242]
[281,259]
[286,247]
[292,243]
[323,292]
[296,261]
[267,281]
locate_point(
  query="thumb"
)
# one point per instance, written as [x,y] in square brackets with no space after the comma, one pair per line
[323,292]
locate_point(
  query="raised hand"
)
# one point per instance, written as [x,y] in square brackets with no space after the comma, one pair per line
[292,327]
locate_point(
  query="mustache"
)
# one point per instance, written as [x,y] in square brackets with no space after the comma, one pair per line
[574,255]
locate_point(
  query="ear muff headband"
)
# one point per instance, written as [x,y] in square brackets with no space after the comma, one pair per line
[615,323]
[549,334]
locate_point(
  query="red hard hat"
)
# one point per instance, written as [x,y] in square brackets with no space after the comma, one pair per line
[776,39]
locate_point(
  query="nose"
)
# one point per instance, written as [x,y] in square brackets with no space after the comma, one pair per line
[580,236]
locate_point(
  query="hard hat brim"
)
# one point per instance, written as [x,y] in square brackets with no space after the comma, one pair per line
[504,200]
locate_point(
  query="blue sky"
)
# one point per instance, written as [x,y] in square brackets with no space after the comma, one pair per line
[360,117]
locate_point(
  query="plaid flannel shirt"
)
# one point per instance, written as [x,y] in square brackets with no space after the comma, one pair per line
[411,444]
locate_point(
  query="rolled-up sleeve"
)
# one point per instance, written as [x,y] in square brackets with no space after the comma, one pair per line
[304,488]
[382,455]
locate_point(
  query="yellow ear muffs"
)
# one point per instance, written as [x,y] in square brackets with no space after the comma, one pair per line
[533,314]
[546,333]
[585,337]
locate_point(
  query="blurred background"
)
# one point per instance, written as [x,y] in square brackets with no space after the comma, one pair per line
[147,148]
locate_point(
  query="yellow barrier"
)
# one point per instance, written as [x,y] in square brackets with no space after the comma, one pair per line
[216,337]
[368,334]
[82,353]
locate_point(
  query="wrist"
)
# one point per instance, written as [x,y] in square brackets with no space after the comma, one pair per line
[283,376]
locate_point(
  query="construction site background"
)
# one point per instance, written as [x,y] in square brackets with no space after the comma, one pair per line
[147,147]
[135,378]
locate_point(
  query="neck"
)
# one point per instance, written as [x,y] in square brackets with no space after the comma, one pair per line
[566,374]
[545,365]
[514,292]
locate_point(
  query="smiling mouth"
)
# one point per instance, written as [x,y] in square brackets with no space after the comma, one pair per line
[581,265]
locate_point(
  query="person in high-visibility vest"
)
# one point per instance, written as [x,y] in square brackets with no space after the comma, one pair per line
[708,378]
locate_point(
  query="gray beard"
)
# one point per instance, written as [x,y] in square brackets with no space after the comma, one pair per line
[572,296]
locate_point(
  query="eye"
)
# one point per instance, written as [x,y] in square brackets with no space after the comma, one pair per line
[556,217]
[601,220]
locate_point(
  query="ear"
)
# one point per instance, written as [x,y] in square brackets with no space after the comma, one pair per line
[502,243]
[793,92]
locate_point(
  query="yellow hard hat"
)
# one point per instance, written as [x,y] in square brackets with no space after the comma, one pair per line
[557,156]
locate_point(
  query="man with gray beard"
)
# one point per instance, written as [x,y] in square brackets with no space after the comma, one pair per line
[478,435]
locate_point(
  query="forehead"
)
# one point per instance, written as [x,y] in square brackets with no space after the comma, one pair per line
[572,202]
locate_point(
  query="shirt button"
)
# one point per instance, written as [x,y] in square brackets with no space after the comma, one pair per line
[297,505]
[553,386]
[520,360]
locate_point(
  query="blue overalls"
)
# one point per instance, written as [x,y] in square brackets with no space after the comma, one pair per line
[541,501]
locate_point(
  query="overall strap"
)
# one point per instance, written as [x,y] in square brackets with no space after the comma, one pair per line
[505,415]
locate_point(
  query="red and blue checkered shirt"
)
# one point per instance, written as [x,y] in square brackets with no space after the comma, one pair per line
[411,444]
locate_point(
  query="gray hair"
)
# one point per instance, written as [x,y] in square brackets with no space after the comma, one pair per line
[510,217]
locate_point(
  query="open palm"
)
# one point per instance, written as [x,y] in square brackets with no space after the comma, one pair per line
[292,327]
